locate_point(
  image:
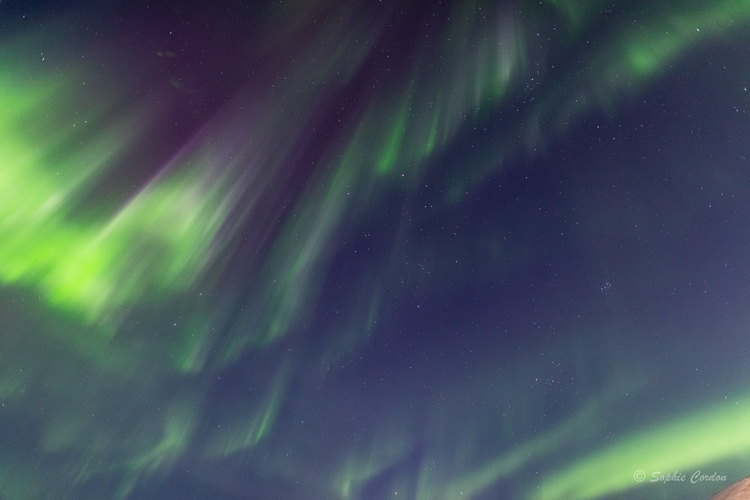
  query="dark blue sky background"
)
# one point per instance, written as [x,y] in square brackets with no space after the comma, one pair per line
[369,250]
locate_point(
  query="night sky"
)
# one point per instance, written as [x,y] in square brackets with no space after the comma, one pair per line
[363,250]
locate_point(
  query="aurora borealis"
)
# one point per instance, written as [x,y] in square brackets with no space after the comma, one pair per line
[358,250]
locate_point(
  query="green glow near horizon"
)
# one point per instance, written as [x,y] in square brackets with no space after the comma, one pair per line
[502,467]
[701,438]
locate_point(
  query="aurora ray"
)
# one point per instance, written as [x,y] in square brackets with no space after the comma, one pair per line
[357,250]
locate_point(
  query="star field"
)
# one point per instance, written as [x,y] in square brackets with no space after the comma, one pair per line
[365,250]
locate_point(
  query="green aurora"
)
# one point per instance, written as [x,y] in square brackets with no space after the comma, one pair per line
[184,313]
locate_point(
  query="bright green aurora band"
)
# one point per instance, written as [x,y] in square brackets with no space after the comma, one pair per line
[124,308]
